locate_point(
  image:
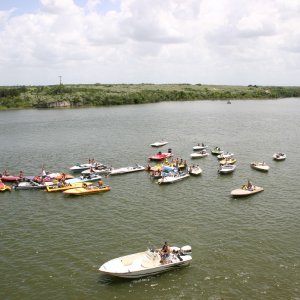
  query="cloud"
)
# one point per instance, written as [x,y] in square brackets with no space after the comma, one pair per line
[59,7]
[224,41]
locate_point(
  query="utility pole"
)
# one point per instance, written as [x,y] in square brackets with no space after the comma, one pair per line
[60,79]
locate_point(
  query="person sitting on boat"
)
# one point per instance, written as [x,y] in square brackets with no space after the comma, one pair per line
[100,183]
[5,173]
[21,174]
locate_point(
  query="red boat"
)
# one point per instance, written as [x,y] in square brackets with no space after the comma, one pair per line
[161,156]
[10,178]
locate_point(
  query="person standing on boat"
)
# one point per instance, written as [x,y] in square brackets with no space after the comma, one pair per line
[249,185]
[165,251]
[21,174]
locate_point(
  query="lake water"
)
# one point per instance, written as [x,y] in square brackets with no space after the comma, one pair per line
[53,245]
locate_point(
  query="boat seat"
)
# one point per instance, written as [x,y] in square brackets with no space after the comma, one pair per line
[127,261]
[146,263]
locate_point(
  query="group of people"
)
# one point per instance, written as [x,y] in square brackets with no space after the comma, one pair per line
[249,186]
[6,173]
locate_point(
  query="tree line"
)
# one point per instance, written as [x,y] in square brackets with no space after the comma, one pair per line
[119,94]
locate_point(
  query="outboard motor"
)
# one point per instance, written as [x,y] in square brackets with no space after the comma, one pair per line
[186,250]
[169,150]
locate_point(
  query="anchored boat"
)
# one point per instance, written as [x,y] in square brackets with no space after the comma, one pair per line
[150,262]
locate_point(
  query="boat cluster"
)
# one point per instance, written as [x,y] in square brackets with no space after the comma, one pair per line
[166,170]
[68,184]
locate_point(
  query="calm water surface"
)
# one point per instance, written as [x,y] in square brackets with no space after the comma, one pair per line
[52,245]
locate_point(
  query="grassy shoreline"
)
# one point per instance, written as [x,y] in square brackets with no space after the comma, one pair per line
[82,95]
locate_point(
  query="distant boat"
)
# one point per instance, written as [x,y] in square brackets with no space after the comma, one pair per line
[199,154]
[246,190]
[125,170]
[260,166]
[227,168]
[228,102]
[194,170]
[199,147]
[227,161]
[173,177]
[161,156]
[28,185]
[87,190]
[279,156]
[225,155]
[216,151]
[159,144]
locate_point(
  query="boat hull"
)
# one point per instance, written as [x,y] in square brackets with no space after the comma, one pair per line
[152,272]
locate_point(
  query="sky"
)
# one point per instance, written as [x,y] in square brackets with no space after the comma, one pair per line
[222,42]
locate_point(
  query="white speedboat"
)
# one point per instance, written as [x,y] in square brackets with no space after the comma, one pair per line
[195,170]
[125,170]
[260,166]
[200,147]
[85,178]
[97,170]
[199,154]
[225,155]
[173,177]
[159,144]
[246,190]
[28,185]
[279,156]
[147,263]
[81,167]
[227,168]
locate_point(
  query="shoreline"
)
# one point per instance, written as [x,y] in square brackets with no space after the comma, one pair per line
[97,95]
